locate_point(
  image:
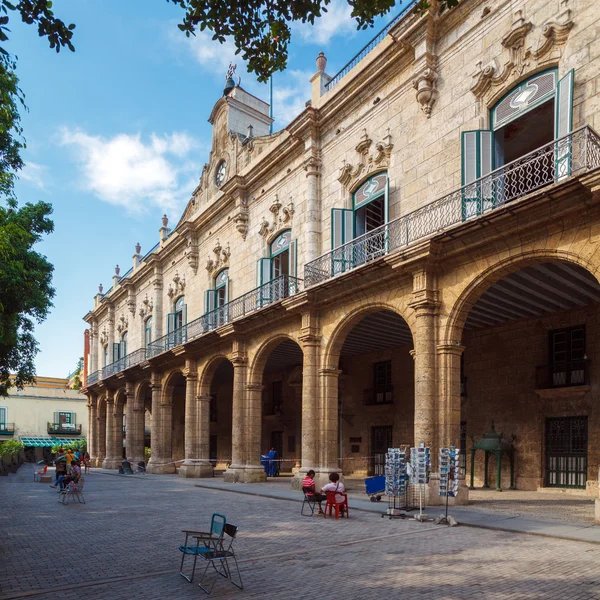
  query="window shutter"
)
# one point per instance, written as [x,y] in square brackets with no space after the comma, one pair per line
[56,418]
[563,123]
[342,226]
[293,265]
[116,350]
[170,322]
[386,201]
[184,314]
[209,300]
[263,271]
[123,349]
[477,161]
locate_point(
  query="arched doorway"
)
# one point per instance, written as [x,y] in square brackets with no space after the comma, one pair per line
[175,391]
[221,415]
[371,351]
[530,358]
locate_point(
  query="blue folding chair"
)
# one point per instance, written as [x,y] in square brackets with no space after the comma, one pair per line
[205,543]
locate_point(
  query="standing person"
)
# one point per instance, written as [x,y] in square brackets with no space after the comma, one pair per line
[308,487]
[272,456]
[70,458]
[86,461]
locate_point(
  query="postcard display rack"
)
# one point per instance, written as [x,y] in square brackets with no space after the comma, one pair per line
[449,470]
[396,482]
[420,465]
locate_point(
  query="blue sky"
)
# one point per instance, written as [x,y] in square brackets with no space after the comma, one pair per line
[117,135]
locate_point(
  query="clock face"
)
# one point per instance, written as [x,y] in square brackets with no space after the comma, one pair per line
[220,174]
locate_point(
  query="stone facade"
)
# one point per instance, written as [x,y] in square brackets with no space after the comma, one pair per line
[293,364]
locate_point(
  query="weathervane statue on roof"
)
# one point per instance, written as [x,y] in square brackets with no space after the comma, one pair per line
[229,83]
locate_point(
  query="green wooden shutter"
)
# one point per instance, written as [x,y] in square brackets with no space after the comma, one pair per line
[476,162]
[342,232]
[170,323]
[209,300]
[122,349]
[183,333]
[293,267]
[263,274]
[116,350]
[563,123]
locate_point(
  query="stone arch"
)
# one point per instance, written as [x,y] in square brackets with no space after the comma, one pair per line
[262,353]
[170,379]
[207,373]
[333,348]
[458,313]
[141,392]
[273,236]
[367,175]
[120,399]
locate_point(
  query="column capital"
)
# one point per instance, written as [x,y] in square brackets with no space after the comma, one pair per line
[326,372]
[254,387]
[309,338]
[311,165]
[155,380]
[203,397]
[456,348]
[239,360]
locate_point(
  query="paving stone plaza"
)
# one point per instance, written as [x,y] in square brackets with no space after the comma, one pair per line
[123,544]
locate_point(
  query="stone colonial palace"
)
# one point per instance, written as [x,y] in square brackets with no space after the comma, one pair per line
[414,258]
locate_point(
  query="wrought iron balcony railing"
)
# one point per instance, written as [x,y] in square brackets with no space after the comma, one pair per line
[571,155]
[69,428]
[128,361]
[374,396]
[369,47]
[563,374]
[7,428]
[260,297]
[93,378]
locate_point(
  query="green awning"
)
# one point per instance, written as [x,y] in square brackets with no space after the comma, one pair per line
[47,442]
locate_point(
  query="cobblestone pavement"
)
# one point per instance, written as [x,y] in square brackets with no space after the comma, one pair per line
[121,545]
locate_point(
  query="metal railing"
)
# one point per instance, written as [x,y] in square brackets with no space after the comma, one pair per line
[128,361]
[70,428]
[278,289]
[7,428]
[563,374]
[369,47]
[93,378]
[570,155]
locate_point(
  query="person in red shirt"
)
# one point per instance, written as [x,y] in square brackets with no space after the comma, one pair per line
[308,487]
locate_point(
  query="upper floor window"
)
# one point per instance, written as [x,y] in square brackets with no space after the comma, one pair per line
[567,356]
[123,351]
[148,331]
[179,312]
[222,288]
[105,355]
[280,254]
[3,416]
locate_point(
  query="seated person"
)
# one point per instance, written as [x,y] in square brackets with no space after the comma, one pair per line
[335,485]
[64,480]
[308,487]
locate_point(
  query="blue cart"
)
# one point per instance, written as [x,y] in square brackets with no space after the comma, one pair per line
[375,487]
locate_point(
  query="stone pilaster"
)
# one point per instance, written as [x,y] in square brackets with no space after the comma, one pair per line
[253,470]
[312,223]
[157,310]
[329,425]
[190,466]
[112,459]
[92,432]
[134,426]
[93,348]
[239,360]
[111,335]
[99,448]
[160,459]
[203,466]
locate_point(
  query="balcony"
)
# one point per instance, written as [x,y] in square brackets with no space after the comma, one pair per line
[570,156]
[7,428]
[377,396]
[131,360]
[573,373]
[280,288]
[64,428]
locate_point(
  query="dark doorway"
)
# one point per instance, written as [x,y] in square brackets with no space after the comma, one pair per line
[381,440]
[212,450]
[277,442]
[566,452]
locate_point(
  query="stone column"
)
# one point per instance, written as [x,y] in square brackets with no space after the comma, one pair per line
[448,410]
[329,424]
[111,335]
[93,348]
[191,462]
[135,439]
[100,438]
[311,344]
[160,459]
[253,470]
[129,420]
[240,366]
[203,466]
[111,461]
[157,309]
[597,502]
[92,432]
[312,216]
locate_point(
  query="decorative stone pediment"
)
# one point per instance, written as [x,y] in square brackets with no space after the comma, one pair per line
[523,58]
[146,308]
[177,287]
[221,258]
[367,160]
[281,216]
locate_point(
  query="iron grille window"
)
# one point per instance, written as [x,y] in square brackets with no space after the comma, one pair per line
[567,356]
[382,382]
[566,452]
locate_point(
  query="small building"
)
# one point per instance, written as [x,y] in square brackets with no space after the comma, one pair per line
[43,414]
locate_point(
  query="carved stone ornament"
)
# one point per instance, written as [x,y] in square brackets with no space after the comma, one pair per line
[241,218]
[426,89]
[523,58]
[221,258]
[192,253]
[281,216]
[177,287]
[103,336]
[367,161]
[146,308]
[122,323]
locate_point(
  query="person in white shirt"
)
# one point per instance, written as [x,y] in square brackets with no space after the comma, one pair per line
[335,485]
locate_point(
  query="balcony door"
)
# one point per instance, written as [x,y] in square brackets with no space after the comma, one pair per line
[276,275]
[523,125]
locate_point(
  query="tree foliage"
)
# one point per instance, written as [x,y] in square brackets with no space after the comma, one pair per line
[261,30]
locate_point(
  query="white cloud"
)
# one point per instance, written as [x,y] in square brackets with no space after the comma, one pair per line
[335,22]
[127,171]
[291,90]
[35,174]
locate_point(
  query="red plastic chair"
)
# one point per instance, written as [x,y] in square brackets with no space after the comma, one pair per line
[38,474]
[332,503]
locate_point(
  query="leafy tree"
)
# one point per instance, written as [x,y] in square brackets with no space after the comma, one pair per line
[77,375]
[261,28]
